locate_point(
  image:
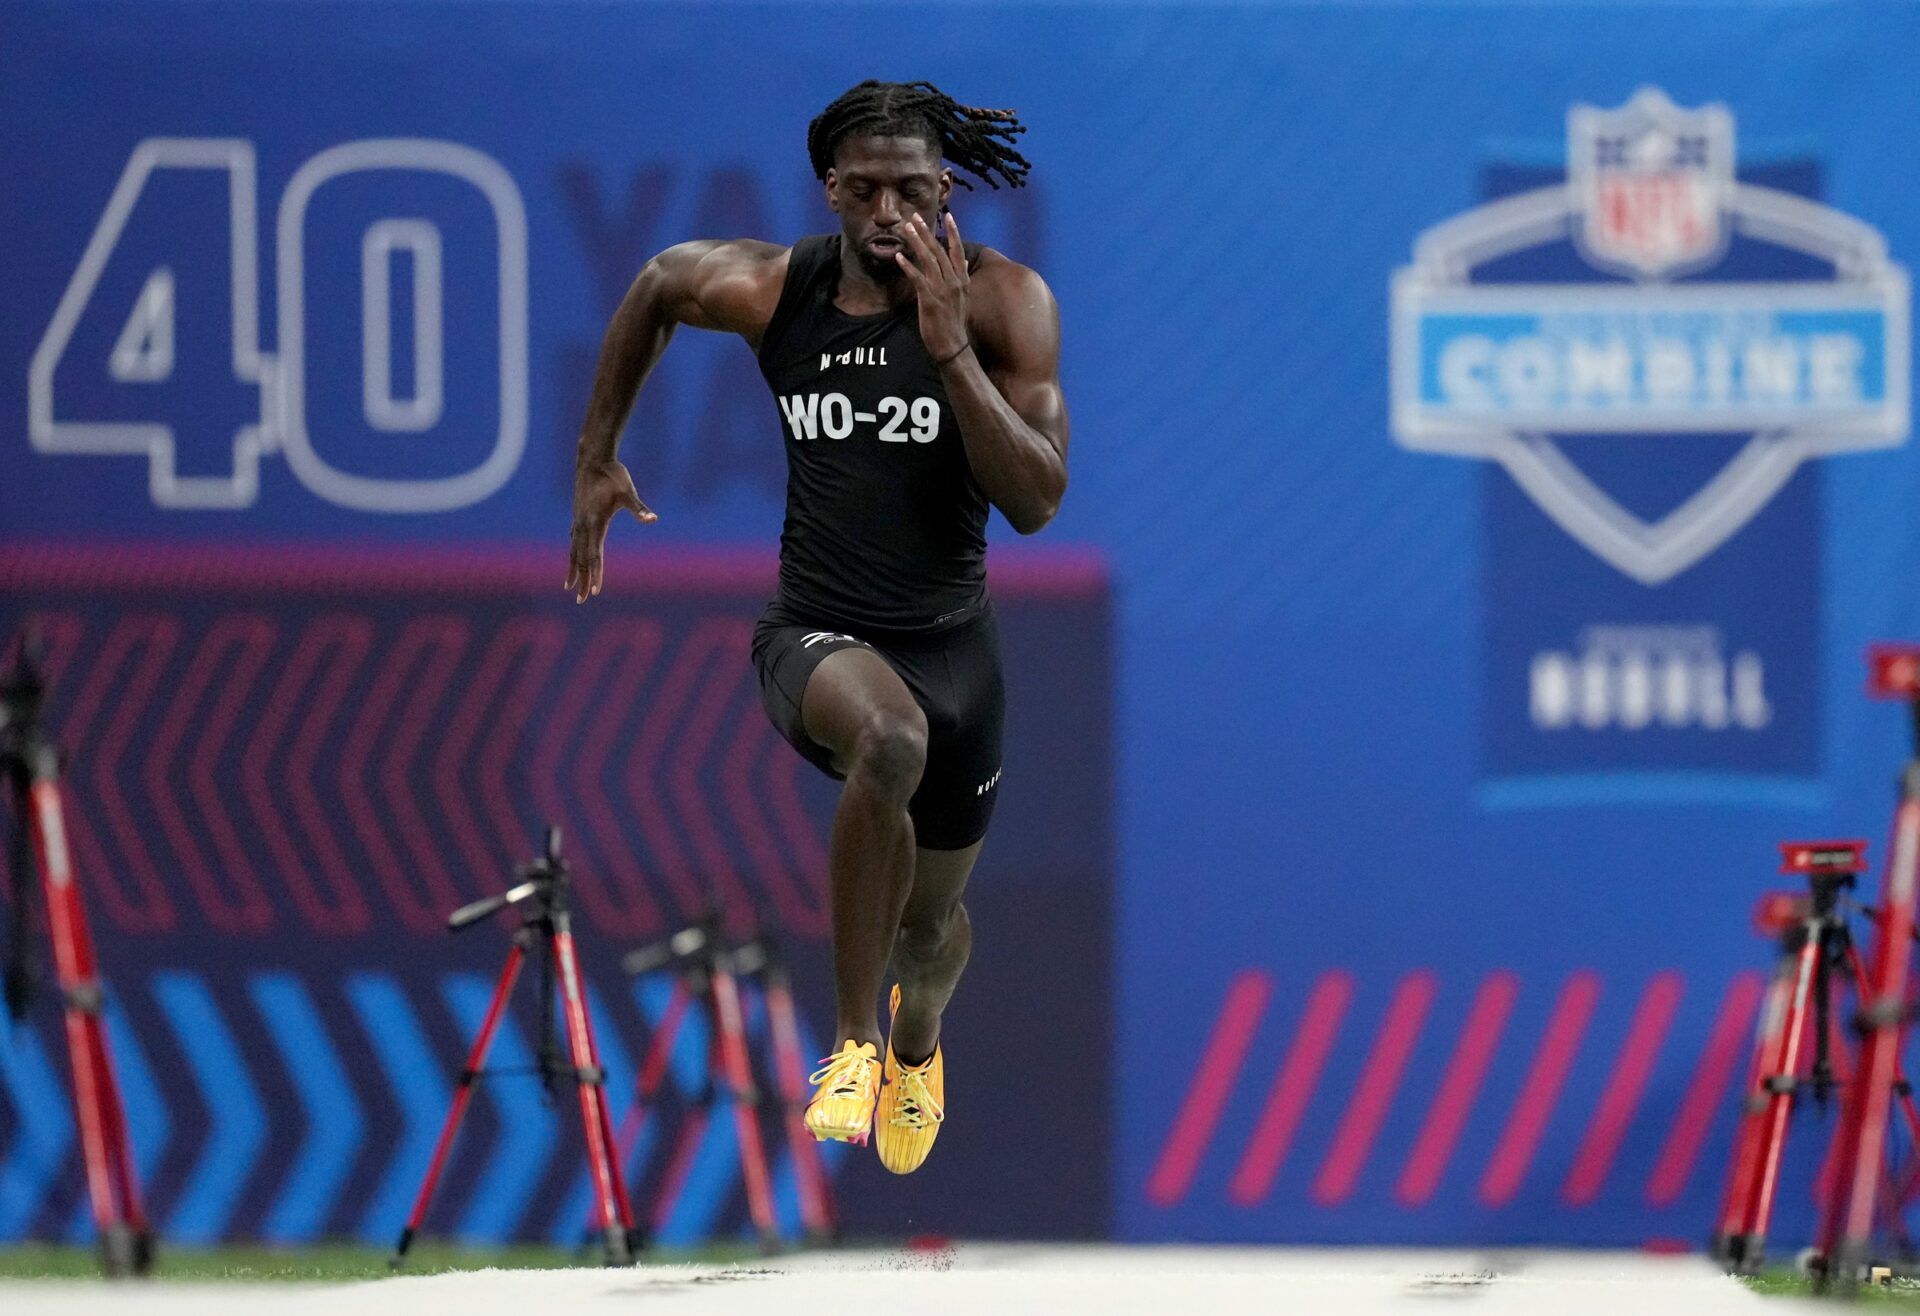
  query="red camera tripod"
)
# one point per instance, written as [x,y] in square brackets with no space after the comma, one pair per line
[32,767]
[1865,1197]
[1801,1051]
[707,978]
[1862,1192]
[546,934]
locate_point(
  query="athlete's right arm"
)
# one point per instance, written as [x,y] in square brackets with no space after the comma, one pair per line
[728,285]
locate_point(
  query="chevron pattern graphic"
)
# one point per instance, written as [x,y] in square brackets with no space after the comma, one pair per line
[314,1110]
[391,767]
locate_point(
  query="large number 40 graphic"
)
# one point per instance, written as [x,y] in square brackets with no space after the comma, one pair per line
[147,348]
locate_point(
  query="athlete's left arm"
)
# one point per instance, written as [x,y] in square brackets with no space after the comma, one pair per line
[1004,383]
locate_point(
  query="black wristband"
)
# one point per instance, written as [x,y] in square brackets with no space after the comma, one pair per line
[956,356]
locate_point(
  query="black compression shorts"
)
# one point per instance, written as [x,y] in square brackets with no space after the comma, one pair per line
[955,678]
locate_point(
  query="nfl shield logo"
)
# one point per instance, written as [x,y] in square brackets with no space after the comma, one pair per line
[1652,183]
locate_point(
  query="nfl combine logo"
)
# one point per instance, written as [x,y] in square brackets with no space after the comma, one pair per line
[1804,366]
[1650,343]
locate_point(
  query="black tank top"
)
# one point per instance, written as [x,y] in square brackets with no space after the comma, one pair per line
[886,526]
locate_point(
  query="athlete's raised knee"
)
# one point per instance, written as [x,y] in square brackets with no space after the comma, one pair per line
[889,754]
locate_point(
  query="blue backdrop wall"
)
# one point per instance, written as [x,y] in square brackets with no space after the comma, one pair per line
[1494,419]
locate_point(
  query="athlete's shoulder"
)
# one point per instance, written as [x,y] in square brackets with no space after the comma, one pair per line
[739,261]
[1005,278]
[723,257]
[725,283]
[1016,314]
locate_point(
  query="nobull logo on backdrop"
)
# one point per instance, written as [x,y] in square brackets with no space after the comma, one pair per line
[1651,341]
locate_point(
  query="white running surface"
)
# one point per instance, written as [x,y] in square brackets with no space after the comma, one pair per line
[988,1280]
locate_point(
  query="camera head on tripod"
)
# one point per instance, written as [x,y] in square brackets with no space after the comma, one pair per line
[697,945]
[21,691]
[543,880]
[1893,672]
[24,756]
[1845,859]
[702,946]
[1830,867]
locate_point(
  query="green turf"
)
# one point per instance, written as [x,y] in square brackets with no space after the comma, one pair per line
[1902,1293]
[324,1263]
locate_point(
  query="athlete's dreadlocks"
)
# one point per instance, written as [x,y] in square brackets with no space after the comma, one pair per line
[979,141]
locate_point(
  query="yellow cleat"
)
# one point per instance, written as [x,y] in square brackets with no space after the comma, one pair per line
[844,1089]
[911,1106]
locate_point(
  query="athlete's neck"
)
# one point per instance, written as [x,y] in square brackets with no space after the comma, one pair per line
[866,289]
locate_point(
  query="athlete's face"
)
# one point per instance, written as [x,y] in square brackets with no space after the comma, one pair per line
[878,184]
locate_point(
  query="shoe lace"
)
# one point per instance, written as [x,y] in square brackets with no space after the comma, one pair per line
[847,1073]
[916,1106]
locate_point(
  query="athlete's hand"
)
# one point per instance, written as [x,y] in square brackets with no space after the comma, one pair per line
[600,492]
[939,276]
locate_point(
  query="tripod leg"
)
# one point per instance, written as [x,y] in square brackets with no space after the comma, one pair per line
[1888,1215]
[1909,1184]
[605,1106]
[620,1198]
[653,1068]
[462,1094]
[611,1210]
[22,974]
[691,1133]
[1778,1082]
[130,1249]
[1730,1240]
[1842,1074]
[126,1247]
[738,1073]
[1899,1182]
[1846,1234]
[120,1146]
[790,1072]
[647,1084]
[628,1225]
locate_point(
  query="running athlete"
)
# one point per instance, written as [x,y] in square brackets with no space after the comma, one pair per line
[917,377]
